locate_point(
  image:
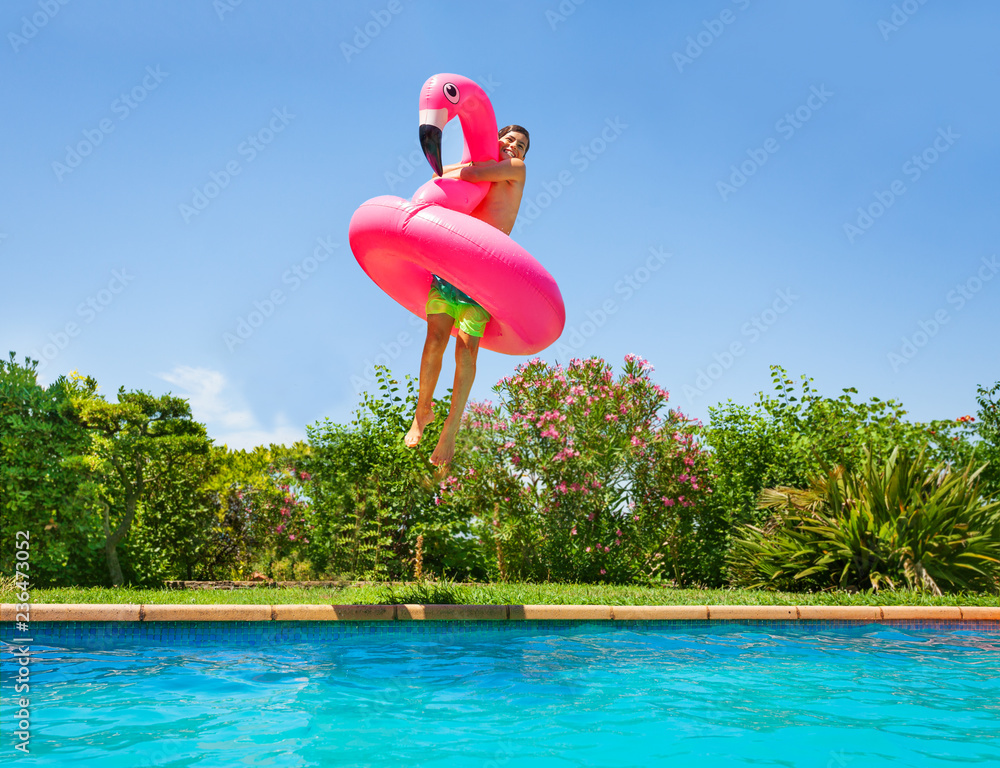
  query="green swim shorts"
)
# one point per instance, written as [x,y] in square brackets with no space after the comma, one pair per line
[446,298]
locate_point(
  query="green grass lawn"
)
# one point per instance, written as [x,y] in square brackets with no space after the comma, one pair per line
[489,594]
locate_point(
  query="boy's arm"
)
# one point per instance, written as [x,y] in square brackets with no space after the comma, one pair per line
[510,169]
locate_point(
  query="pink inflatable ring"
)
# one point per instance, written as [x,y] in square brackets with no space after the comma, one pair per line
[401,244]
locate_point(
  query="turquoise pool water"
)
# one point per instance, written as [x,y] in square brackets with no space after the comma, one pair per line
[644,695]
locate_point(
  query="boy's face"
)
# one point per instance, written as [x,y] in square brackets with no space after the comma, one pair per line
[514,144]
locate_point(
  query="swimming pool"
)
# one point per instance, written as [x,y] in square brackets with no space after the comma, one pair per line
[542,693]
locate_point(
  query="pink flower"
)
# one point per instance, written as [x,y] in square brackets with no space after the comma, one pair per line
[607,548]
[618,532]
[573,531]
[291,537]
[305,476]
[587,550]
[603,571]
[618,541]
[590,516]
[636,518]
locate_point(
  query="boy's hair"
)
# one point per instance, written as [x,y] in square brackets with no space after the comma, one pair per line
[507,129]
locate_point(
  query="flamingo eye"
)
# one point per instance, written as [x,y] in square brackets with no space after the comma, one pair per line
[451,92]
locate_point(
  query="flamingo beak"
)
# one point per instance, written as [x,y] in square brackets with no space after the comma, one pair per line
[430,143]
[432,123]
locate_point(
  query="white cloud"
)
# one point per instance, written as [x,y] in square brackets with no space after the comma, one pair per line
[224,412]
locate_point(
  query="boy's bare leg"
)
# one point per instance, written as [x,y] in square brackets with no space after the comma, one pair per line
[438,332]
[466,351]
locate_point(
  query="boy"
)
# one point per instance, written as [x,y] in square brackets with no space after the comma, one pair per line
[446,305]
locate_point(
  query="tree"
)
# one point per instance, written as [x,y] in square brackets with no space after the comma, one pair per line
[140,445]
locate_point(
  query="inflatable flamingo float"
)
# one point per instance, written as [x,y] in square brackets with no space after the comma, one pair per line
[401,243]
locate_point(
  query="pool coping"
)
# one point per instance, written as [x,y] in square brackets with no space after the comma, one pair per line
[133,612]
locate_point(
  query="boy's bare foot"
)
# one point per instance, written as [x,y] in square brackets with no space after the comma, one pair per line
[444,451]
[420,420]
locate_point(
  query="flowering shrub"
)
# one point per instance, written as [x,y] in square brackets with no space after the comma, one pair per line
[263,518]
[576,476]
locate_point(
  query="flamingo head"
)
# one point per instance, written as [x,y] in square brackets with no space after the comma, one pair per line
[445,97]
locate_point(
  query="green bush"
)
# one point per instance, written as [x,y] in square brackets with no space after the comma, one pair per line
[372,496]
[786,438]
[897,523]
[987,431]
[45,488]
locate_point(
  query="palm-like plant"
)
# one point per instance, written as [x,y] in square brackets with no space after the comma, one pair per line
[903,522]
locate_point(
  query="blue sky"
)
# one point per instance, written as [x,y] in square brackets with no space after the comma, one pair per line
[716,186]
